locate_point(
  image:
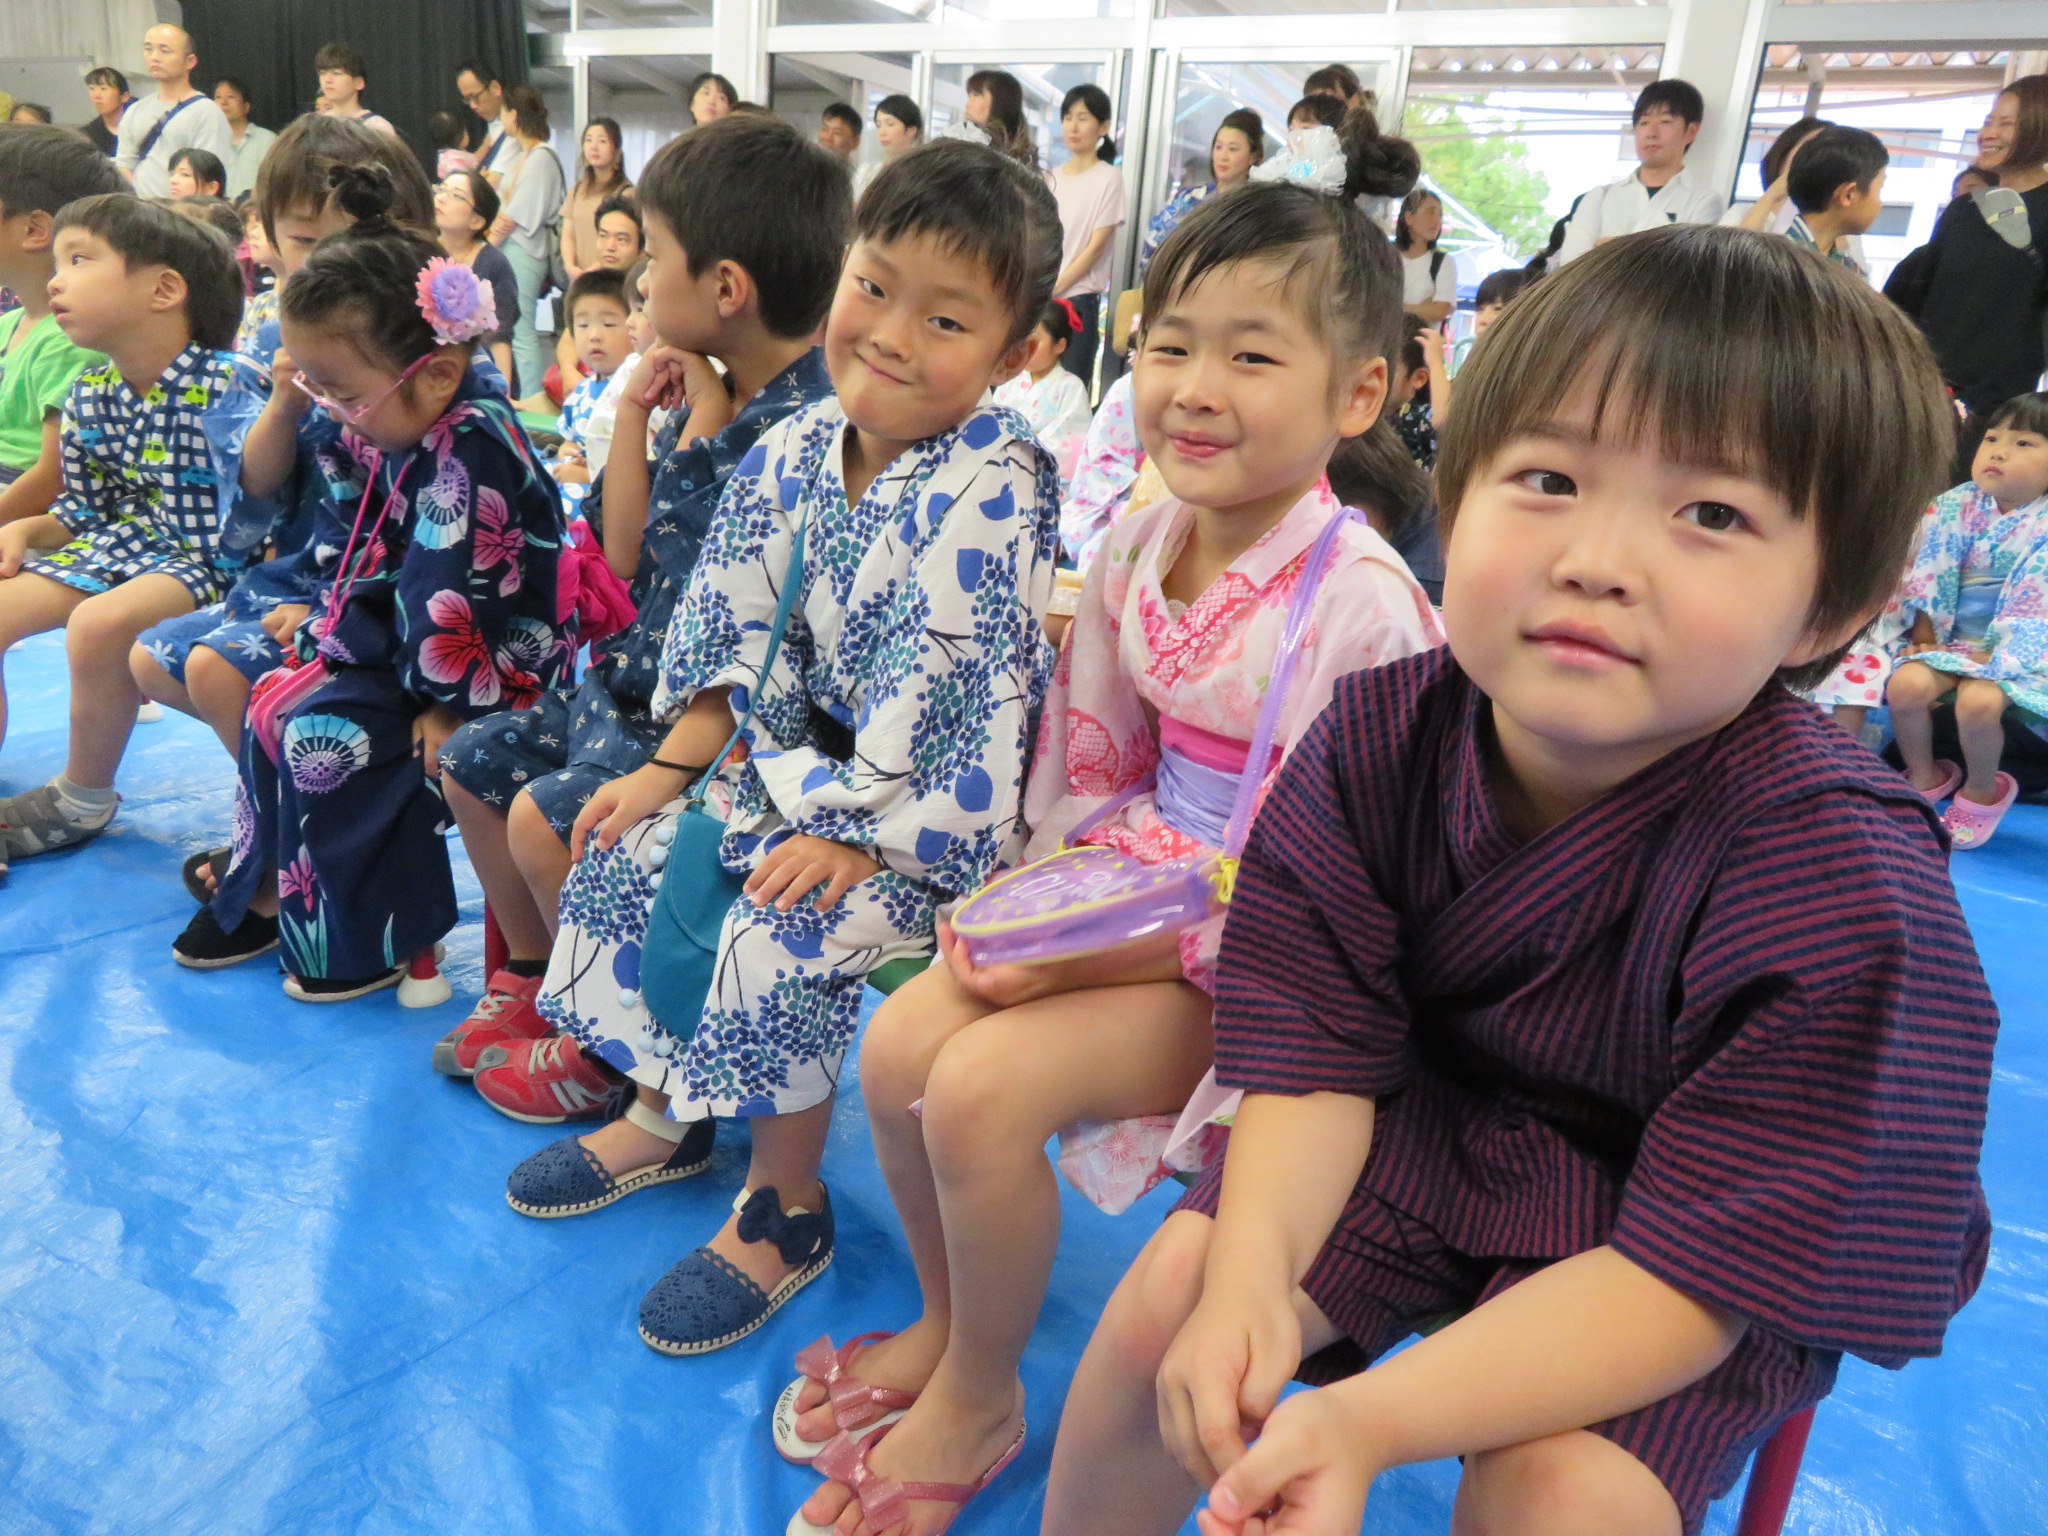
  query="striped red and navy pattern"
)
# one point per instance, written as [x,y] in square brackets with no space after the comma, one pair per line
[1727,1019]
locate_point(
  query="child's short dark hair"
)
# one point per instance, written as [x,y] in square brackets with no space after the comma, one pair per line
[622,202]
[840,112]
[904,110]
[752,190]
[298,171]
[445,129]
[981,204]
[1340,268]
[363,282]
[2023,413]
[36,110]
[1831,157]
[143,233]
[43,168]
[1411,359]
[214,212]
[342,57]
[1499,287]
[1723,347]
[1681,98]
[600,283]
[1057,320]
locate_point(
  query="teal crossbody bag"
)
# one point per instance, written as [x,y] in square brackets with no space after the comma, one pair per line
[693,888]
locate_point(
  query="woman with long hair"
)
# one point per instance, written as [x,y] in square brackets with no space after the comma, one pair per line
[1238,144]
[602,174]
[1429,277]
[531,193]
[995,105]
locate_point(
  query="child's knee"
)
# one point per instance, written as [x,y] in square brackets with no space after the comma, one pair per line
[531,832]
[1979,702]
[99,632]
[217,689]
[906,1034]
[975,1106]
[150,676]
[1573,1484]
[1158,1294]
[1915,686]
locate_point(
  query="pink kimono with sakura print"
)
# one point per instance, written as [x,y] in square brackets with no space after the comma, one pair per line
[1128,660]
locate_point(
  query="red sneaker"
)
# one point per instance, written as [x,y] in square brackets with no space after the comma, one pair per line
[504,1014]
[545,1082]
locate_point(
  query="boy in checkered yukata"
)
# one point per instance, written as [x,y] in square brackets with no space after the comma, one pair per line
[142,529]
[1602,1011]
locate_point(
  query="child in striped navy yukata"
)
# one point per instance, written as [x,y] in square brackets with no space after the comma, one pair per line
[1584,986]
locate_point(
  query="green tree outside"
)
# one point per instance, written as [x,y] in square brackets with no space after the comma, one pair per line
[1486,171]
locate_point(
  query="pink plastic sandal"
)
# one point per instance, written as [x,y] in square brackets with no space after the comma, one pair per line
[1951,781]
[1970,824]
[858,1409]
[883,1500]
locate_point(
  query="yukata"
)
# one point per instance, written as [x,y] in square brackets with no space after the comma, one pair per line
[560,748]
[150,483]
[1102,479]
[1056,409]
[1179,206]
[1132,659]
[306,538]
[1619,1033]
[1415,425]
[452,601]
[896,719]
[577,406]
[1981,578]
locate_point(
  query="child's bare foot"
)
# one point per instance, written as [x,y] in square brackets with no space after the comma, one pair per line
[942,1439]
[904,1364]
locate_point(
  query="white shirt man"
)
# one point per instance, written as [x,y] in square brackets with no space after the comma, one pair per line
[482,93]
[189,119]
[1663,190]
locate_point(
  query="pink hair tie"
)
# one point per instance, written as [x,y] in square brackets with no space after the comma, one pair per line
[455,302]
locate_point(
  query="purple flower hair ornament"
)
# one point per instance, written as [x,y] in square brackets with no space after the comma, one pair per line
[455,302]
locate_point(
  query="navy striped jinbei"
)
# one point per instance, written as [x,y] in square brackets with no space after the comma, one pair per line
[1727,1020]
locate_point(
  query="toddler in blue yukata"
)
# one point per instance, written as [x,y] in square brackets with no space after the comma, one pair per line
[137,534]
[597,323]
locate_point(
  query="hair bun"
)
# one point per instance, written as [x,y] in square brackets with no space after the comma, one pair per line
[1378,166]
[364,193]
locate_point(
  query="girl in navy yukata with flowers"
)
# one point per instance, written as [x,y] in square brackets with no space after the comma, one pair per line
[443,608]
[1584,985]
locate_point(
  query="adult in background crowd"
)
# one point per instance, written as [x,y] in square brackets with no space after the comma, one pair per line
[175,117]
[343,77]
[251,141]
[1663,189]
[899,126]
[1238,144]
[1429,277]
[481,91]
[602,175]
[31,112]
[711,97]
[465,208]
[1977,288]
[839,130]
[1339,81]
[531,194]
[107,88]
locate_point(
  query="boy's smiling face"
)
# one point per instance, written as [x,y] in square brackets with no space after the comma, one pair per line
[915,337]
[1615,604]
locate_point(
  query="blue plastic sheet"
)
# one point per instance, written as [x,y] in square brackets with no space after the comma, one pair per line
[257,1273]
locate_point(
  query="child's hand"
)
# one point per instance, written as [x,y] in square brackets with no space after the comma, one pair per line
[800,864]
[704,395]
[1005,986]
[1225,1371]
[14,546]
[1307,1475]
[283,621]
[1432,341]
[285,394]
[658,380]
[623,804]
[430,728]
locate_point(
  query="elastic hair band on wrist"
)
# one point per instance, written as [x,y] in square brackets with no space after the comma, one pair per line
[678,767]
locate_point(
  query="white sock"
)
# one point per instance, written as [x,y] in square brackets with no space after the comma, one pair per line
[83,807]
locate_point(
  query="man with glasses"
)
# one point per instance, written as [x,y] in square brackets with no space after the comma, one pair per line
[477,83]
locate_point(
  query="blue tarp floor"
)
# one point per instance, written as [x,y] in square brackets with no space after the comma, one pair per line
[257,1274]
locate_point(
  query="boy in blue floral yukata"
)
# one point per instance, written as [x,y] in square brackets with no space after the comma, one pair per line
[137,533]
[597,324]
[887,742]
[750,221]
[443,607]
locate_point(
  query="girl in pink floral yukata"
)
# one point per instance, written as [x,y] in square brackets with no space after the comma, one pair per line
[1269,312]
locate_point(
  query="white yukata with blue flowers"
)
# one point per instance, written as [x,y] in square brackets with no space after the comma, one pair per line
[897,718]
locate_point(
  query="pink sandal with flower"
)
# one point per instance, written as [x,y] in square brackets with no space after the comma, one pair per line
[884,1501]
[858,1409]
[1970,824]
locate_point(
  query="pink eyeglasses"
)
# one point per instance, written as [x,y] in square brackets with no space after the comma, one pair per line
[354,416]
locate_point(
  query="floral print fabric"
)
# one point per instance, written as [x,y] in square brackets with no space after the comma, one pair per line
[1102,479]
[895,719]
[1967,532]
[1056,409]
